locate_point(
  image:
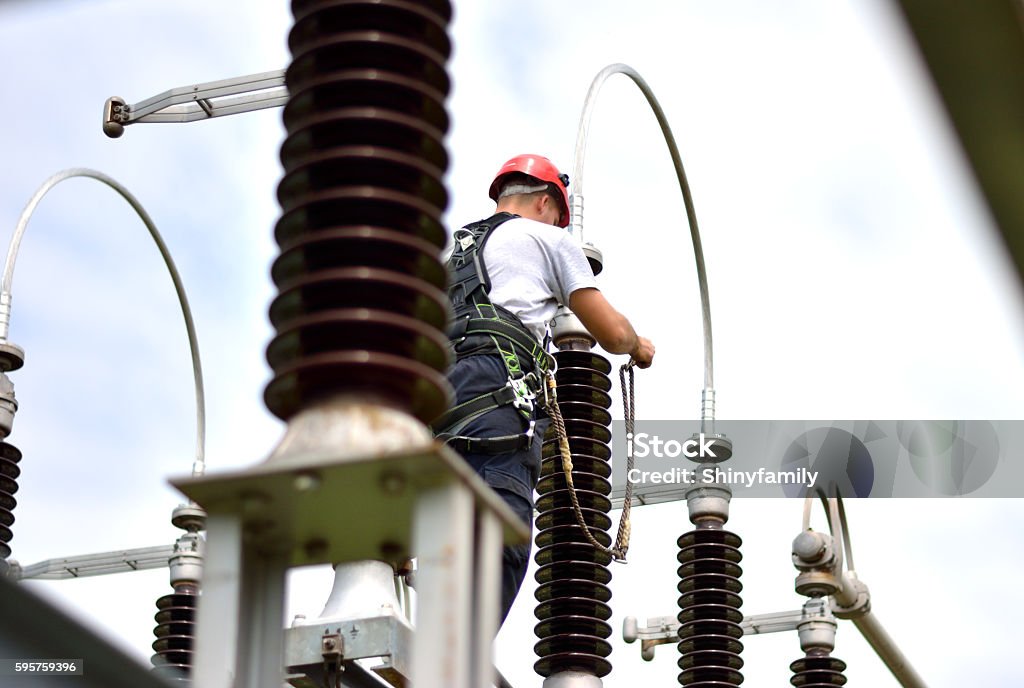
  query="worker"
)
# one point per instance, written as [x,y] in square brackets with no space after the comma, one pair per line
[508,274]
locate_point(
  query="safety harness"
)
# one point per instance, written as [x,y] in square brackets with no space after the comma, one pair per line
[481,327]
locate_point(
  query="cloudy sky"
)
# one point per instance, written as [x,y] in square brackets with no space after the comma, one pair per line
[853,274]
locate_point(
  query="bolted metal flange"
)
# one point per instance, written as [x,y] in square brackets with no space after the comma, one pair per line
[190,517]
[567,332]
[708,502]
[12,356]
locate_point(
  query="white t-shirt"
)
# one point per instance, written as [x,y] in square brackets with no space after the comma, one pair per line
[533,268]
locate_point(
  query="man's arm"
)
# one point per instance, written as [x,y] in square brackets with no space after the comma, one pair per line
[611,329]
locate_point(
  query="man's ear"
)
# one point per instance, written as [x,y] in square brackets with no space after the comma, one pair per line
[546,203]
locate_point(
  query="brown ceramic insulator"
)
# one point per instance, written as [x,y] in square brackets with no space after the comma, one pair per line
[570,569]
[587,464]
[425,18]
[709,616]
[344,89]
[588,446]
[582,480]
[353,206]
[585,393]
[360,330]
[564,534]
[361,309]
[175,633]
[365,126]
[818,671]
[573,575]
[9,473]
[338,50]
[583,427]
[372,247]
[350,167]
[596,364]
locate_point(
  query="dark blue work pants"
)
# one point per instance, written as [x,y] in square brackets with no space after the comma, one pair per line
[513,475]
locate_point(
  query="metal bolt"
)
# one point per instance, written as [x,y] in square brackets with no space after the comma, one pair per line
[307,482]
[331,646]
[392,483]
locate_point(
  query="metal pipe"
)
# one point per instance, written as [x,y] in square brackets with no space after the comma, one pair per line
[884,646]
[707,410]
[199,465]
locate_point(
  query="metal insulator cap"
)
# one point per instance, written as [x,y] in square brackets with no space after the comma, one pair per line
[566,328]
[190,517]
[12,357]
[594,257]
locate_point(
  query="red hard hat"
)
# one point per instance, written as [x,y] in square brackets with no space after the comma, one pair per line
[543,169]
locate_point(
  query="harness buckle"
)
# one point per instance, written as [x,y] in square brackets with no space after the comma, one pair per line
[466,240]
[524,396]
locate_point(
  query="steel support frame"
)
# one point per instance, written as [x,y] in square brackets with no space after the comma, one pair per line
[450,520]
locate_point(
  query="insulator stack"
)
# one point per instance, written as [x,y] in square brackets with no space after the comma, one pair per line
[818,670]
[9,472]
[709,602]
[360,308]
[573,575]
[175,618]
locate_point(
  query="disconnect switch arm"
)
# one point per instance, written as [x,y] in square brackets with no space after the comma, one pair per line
[200,101]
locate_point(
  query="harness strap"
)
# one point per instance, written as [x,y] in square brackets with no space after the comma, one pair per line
[469,326]
[491,445]
[475,407]
[468,272]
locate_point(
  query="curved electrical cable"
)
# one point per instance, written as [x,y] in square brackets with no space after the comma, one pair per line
[684,187]
[835,516]
[845,529]
[199,466]
[836,527]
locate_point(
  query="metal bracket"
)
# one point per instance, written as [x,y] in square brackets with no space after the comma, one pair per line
[386,637]
[332,646]
[331,649]
[200,101]
[848,598]
[100,564]
[664,629]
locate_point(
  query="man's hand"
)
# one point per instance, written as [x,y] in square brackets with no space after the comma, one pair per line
[643,352]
